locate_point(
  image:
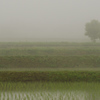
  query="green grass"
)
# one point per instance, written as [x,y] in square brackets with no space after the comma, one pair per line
[46,71]
[50,76]
[49,61]
[55,48]
[48,86]
[49,55]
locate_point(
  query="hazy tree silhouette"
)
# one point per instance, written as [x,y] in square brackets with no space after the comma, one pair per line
[93,30]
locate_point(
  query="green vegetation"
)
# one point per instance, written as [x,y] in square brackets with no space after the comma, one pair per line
[93,30]
[50,76]
[55,56]
[45,71]
[50,55]
[48,86]
[49,90]
[49,61]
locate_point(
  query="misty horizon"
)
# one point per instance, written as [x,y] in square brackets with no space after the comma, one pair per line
[36,19]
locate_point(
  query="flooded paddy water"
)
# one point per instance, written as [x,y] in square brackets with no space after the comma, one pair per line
[50,91]
[68,95]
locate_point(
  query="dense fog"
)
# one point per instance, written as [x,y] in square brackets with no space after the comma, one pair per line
[64,20]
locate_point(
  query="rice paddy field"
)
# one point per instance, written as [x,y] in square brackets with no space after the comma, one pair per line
[49,71]
[49,55]
[49,91]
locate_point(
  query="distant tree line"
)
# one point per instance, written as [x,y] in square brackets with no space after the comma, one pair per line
[93,30]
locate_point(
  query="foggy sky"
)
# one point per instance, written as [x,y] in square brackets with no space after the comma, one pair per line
[46,18]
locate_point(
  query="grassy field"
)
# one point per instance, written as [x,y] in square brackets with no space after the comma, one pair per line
[55,61]
[49,49]
[49,71]
[58,61]
[49,61]
[49,55]
[50,76]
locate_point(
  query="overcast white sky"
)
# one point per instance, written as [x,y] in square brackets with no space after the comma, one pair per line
[46,18]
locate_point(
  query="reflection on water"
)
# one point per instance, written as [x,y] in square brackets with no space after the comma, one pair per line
[44,95]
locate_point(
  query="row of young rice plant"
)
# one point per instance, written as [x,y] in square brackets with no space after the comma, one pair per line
[49,55]
[69,95]
[49,61]
[48,49]
[50,76]
[49,52]
[45,44]
[49,91]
